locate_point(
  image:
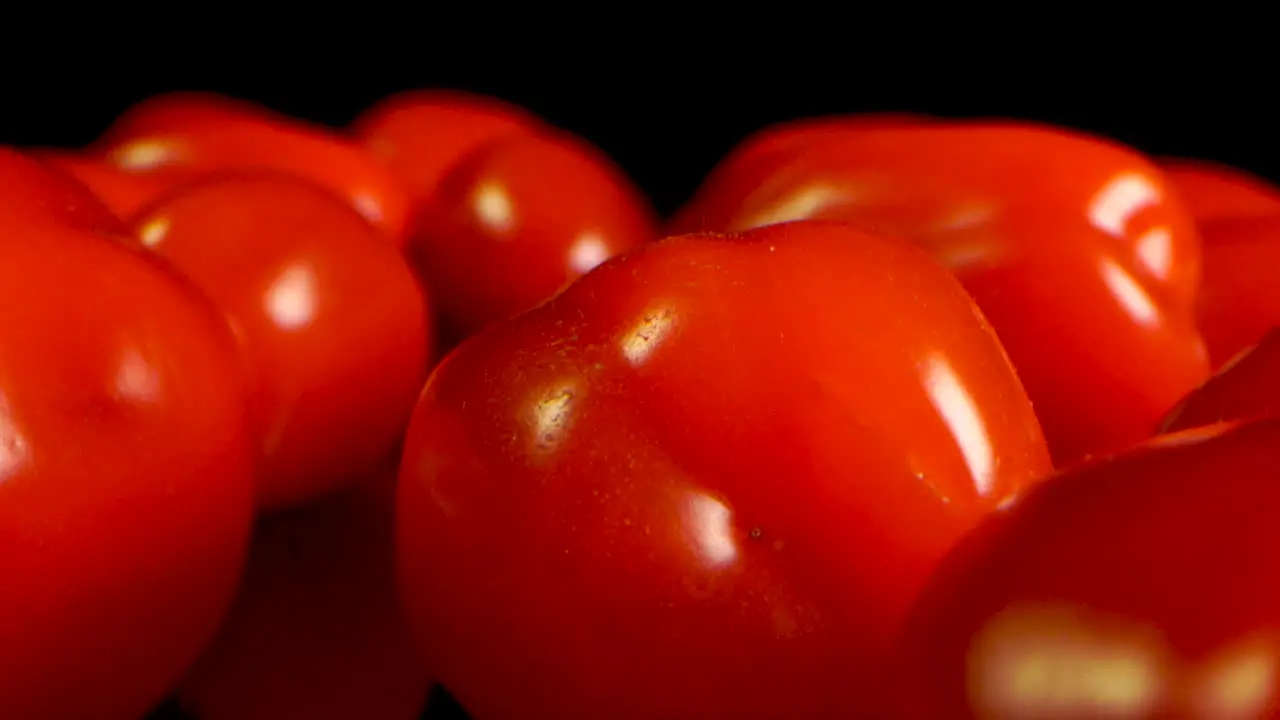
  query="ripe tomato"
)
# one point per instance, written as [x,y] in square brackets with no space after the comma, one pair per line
[126,474]
[421,134]
[1211,191]
[1238,299]
[202,135]
[317,631]
[1135,587]
[123,193]
[30,191]
[517,219]
[1072,247]
[706,480]
[1246,388]
[328,314]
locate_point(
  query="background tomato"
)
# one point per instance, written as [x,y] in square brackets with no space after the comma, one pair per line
[1238,301]
[1246,388]
[1212,191]
[124,193]
[706,480]
[126,483]
[32,192]
[329,315]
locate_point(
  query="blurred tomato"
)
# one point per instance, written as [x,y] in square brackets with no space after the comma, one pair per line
[32,192]
[124,193]
[706,480]
[1211,191]
[329,316]
[1240,296]
[1246,388]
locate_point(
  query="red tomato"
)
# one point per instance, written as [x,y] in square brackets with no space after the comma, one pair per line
[1211,191]
[1239,301]
[517,219]
[328,314]
[124,193]
[1140,586]
[421,134]
[317,631]
[30,191]
[1246,388]
[706,480]
[1071,246]
[164,134]
[126,474]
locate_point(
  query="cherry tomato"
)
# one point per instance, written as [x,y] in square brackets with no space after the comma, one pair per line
[1211,191]
[126,474]
[317,631]
[31,191]
[1246,388]
[1072,246]
[327,312]
[201,135]
[706,480]
[1140,586]
[517,219]
[1238,299]
[124,193]
[421,134]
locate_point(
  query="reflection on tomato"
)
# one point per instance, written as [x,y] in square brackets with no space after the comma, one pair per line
[200,134]
[1211,191]
[126,472]
[30,191]
[706,480]
[317,631]
[1133,587]
[1072,246]
[329,315]
[1246,388]
[517,219]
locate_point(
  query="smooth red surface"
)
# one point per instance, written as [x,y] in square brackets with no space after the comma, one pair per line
[317,631]
[1211,191]
[204,134]
[421,134]
[126,485]
[1137,587]
[1073,246]
[1240,295]
[124,193]
[1246,388]
[518,218]
[328,314]
[704,481]
[31,192]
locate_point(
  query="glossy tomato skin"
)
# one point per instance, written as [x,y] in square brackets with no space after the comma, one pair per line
[328,314]
[317,630]
[1238,300]
[198,134]
[32,192]
[123,193]
[1085,263]
[704,481]
[126,475]
[1246,388]
[517,219]
[1131,587]
[1211,191]
[421,134]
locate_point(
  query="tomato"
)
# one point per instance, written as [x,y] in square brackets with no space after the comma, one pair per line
[517,219]
[317,631]
[124,193]
[31,191]
[328,314]
[706,480]
[421,134]
[1238,301]
[1135,587]
[1211,191]
[1072,246]
[165,135]
[126,473]
[1246,388]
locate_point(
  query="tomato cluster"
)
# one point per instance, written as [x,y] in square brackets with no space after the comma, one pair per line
[897,417]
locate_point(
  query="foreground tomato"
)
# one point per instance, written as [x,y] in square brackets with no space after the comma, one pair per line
[517,219]
[200,134]
[704,481]
[1072,246]
[32,192]
[328,313]
[1212,192]
[420,135]
[126,484]
[1239,301]
[1137,587]
[1246,388]
[317,631]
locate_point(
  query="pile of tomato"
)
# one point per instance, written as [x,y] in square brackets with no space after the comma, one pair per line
[898,417]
